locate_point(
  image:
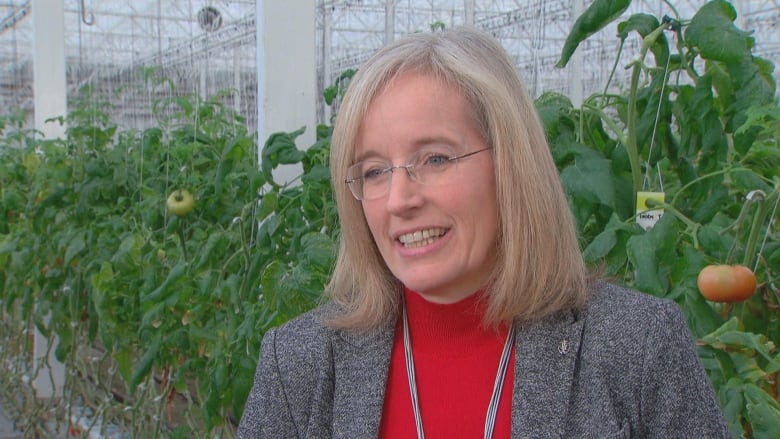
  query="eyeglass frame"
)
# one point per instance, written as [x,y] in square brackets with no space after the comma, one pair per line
[409,167]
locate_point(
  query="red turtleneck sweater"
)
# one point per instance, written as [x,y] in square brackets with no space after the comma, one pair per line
[455,361]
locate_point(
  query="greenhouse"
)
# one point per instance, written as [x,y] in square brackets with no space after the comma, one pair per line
[166,194]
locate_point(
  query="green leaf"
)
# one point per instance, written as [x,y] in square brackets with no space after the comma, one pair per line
[231,152]
[732,403]
[598,15]
[271,279]
[645,24]
[162,291]
[102,283]
[754,85]
[7,245]
[600,246]
[128,255]
[76,246]
[124,360]
[318,249]
[215,244]
[764,420]
[713,243]
[757,116]
[648,252]
[730,337]
[268,227]
[145,363]
[611,241]
[763,412]
[590,178]
[701,317]
[241,383]
[551,107]
[713,32]
[268,205]
[280,149]
[316,174]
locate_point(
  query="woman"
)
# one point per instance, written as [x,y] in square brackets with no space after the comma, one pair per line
[460,304]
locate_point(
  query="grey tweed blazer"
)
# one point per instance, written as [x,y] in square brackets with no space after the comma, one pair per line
[623,366]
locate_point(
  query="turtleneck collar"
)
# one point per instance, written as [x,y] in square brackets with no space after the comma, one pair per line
[454,329]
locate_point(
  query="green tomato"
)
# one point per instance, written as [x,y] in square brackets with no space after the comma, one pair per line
[180,202]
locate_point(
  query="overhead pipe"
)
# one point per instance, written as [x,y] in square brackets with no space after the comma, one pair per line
[87,18]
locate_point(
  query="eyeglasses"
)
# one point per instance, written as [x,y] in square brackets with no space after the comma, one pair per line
[370,179]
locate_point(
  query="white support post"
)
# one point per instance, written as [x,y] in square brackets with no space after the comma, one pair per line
[238,96]
[286,72]
[49,87]
[468,12]
[50,100]
[741,20]
[327,69]
[203,80]
[389,21]
[577,85]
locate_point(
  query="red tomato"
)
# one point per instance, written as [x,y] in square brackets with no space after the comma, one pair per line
[745,280]
[726,283]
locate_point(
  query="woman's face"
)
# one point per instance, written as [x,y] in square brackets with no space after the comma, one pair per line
[438,240]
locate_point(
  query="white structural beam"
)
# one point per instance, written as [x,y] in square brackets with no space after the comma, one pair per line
[468,12]
[389,21]
[49,98]
[327,71]
[286,70]
[49,85]
[577,92]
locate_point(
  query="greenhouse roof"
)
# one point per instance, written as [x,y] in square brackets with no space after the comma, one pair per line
[211,44]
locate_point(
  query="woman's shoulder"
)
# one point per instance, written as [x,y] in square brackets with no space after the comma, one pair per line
[614,304]
[630,321]
[308,328]
[622,322]
[312,334]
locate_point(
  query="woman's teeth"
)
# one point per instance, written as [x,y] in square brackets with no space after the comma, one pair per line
[421,237]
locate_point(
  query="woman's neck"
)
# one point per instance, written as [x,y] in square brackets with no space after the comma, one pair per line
[450,329]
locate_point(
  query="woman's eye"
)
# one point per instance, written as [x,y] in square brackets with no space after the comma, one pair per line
[436,160]
[373,173]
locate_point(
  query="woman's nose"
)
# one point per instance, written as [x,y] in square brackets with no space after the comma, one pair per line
[404,192]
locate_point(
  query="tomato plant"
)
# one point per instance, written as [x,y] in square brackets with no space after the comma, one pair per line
[699,122]
[173,305]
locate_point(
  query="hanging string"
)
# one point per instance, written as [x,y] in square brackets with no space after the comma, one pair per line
[537,43]
[766,233]
[655,129]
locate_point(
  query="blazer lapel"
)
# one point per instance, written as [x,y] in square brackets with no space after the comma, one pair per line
[361,364]
[545,358]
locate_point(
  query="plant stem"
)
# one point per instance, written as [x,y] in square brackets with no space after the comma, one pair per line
[163,400]
[737,224]
[182,242]
[725,310]
[755,229]
[679,215]
[614,66]
[621,137]
[631,139]
[671,6]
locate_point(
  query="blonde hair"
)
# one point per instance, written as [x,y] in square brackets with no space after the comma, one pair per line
[539,268]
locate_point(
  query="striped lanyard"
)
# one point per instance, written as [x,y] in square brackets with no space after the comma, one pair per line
[490,419]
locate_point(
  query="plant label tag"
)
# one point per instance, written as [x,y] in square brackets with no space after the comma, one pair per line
[646,217]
